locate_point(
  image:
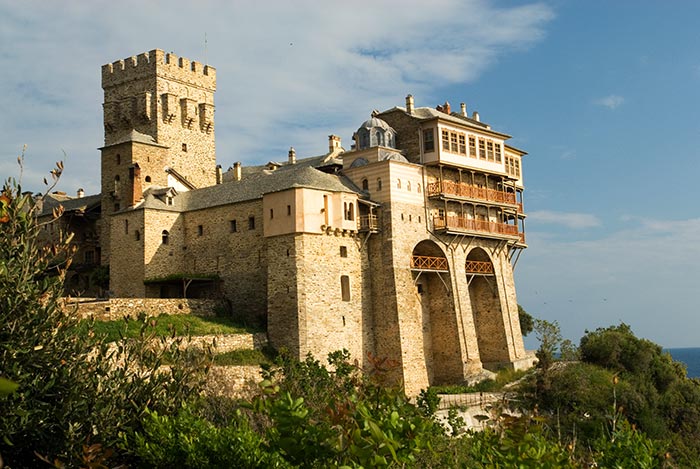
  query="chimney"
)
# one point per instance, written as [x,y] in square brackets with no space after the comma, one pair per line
[219,175]
[409,104]
[292,156]
[475,116]
[237,171]
[135,183]
[446,108]
[333,143]
[80,193]
[463,109]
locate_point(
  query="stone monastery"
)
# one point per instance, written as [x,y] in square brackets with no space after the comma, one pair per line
[402,246]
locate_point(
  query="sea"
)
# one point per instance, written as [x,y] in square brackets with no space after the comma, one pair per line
[690,356]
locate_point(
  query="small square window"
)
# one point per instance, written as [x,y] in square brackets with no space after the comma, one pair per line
[184,147]
[343,251]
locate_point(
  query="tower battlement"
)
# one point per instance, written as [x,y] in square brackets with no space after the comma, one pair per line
[165,65]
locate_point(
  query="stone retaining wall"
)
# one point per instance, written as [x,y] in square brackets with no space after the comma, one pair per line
[117,308]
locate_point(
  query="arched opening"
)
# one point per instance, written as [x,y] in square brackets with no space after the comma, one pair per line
[441,347]
[165,236]
[486,309]
[365,184]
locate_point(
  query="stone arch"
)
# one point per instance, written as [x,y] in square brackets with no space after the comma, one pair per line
[441,345]
[486,306]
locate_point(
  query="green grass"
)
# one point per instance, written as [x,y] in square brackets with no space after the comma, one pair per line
[503,377]
[165,325]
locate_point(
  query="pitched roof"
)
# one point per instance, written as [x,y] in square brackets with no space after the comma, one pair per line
[69,203]
[253,186]
[427,113]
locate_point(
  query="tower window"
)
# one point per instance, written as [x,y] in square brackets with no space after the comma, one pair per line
[119,158]
[365,184]
[251,222]
[289,210]
[232,226]
[379,184]
[272,214]
[184,147]
[200,230]
[345,287]
[148,178]
[117,207]
[165,237]
[137,235]
[343,251]
[126,226]
[398,183]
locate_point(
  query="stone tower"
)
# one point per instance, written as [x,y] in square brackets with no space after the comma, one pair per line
[159,130]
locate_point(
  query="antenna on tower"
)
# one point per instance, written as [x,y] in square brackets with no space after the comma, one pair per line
[205,49]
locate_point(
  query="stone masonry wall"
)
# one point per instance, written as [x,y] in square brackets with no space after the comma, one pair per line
[117,308]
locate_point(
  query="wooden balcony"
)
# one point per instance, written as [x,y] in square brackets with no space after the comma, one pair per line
[467,191]
[367,223]
[462,224]
[479,268]
[436,264]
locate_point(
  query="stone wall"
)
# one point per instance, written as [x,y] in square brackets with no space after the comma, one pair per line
[117,308]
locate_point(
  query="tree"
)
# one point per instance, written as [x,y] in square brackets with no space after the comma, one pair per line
[527,322]
[73,389]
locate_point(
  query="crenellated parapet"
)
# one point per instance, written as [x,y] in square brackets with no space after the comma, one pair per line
[164,65]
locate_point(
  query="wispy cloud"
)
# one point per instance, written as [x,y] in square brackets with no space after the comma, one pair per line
[286,76]
[640,274]
[568,219]
[612,101]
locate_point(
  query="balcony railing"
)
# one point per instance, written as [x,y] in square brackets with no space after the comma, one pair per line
[472,192]
[457,223]
[367,223]
[429,263]
[479,267]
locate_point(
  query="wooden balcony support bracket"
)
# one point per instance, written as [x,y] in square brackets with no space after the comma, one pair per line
[436,272]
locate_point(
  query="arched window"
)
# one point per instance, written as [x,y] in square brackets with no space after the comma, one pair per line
[365,184]
[408,186]
[119,158]
[137,233]
[380,138]
[379,184]
[148,178]
[116,183]
[165,236]
[398,183]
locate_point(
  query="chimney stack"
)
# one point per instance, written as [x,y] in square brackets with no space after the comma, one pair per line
[333,143]
[475,116]
[463,109]
[237,171]
[292,156]
[409,104]
[81,193]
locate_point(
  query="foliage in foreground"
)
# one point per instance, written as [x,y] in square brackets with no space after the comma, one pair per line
[73,390]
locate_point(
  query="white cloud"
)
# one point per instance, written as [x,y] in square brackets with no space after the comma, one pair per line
[612,101]
[642,275]
[568,219]
[288,74]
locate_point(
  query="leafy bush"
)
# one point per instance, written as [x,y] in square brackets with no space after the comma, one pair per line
[73,390]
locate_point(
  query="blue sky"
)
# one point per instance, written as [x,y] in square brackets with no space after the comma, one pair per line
[603,96]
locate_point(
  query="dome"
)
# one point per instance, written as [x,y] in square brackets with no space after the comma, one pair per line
[374,132]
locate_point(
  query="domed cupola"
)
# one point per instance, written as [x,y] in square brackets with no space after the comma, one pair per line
[374,132]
